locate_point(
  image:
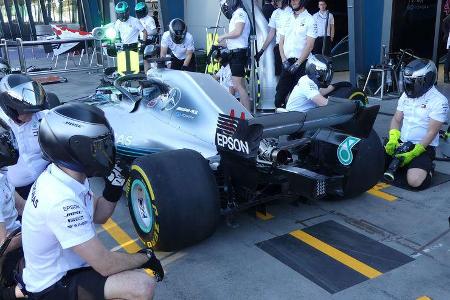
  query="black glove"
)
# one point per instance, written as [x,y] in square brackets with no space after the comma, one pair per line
[115,181]
[153,263]
[286,65]
[259,54]
[294,68]
[184,68]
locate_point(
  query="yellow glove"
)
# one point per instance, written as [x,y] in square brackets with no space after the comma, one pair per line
[392,144]
[407,157]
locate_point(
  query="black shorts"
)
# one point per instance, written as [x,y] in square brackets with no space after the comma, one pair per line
[83,283]
[238,62]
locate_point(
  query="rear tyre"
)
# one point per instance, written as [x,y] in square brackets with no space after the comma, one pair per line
[367,167]
[173,199]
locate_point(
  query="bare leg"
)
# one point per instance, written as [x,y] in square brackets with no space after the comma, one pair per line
[239,85]
[416,177]
[132,285]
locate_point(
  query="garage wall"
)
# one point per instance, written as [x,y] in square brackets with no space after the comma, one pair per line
[199,14]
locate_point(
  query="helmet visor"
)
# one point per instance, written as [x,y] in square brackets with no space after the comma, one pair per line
[31,94]
[411,86]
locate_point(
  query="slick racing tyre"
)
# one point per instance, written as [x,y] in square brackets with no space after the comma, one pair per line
[52,100]
[347,91]
[173,199]
[367,167]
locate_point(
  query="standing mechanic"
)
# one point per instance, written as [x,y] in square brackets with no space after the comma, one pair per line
[277,21]
[446,31]
[128,27]
[421,111]
[10,241]
[24,103]
[296,42]
[311,88]
[149,25]
[325,29]
[181,43]
[64,258]
[237,40]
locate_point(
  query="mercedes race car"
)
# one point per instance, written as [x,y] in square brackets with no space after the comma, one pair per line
[197,154]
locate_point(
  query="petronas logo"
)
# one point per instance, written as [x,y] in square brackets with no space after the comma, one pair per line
[344,151]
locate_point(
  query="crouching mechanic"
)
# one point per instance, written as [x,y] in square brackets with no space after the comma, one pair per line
[11,254]
[64,258]
[24,103]
[421,111]
[311,88]
[181,43]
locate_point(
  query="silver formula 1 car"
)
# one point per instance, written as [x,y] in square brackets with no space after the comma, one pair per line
[196,153]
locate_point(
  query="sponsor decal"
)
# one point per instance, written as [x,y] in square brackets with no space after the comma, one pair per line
[344,151]
[71,207]
[71,214]
[73,124]
[152,103]
[75,219]
[125,140]
[232,144]
[33,196]
[187,113]
[187,110]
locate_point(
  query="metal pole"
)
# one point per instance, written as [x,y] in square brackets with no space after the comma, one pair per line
[22,62]
[9,16]
[19,19]
[44,12]
[31,19]
[4,42]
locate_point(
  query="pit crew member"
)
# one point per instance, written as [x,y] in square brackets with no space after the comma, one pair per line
[421,111]
[296,42]
[128,27]
[311,88]
[64,259]
[325,29]
[237,45]
[276,22]
[24,103]
[181,43]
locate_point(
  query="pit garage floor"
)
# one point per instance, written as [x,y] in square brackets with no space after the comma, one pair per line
[369,247]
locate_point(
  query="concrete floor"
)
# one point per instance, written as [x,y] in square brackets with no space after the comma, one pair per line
[230,266]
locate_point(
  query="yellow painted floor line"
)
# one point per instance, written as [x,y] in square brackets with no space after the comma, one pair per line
[336,254]
[424,298]
[376,191]
[123,239]
[264,217]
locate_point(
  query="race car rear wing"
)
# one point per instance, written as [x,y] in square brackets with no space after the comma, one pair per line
[242,137]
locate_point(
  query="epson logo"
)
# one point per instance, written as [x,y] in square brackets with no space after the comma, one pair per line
[232,144]
[73,124]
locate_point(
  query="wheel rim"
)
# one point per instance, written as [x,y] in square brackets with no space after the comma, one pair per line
[142,207]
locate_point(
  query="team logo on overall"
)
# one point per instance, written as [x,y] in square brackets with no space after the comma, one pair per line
[344,151]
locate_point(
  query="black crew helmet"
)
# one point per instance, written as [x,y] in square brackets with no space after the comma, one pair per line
[9,151]
[5,68]
[418,77]
[122,11]
[141,10]
[319,69]
[78,136]
[19,94]
[228,7]
[177,30]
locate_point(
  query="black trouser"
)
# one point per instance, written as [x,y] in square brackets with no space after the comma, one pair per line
[177,64]
[10,264]
[278,62]
[447,64]
[287,83]
[318,45]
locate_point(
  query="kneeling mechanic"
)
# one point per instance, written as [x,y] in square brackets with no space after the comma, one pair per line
[64,258]
[421,111]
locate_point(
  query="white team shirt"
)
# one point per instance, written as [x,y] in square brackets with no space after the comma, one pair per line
[321,21]
[224,75]
[239,16]
[31,162]
[58,215]
[295,33]
[8,212]
[178,50]
[417,113]
[301,97]
[278,20]
[129,30]
[149,24]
